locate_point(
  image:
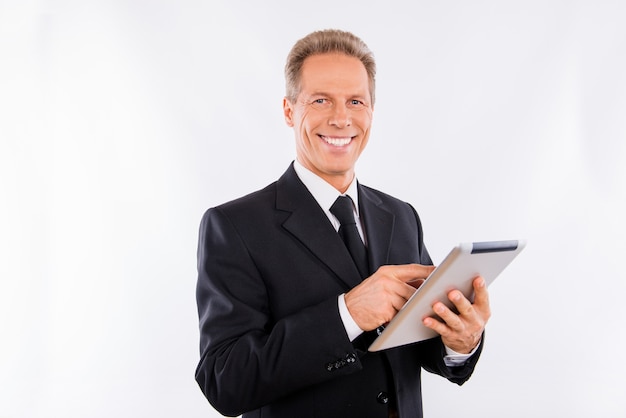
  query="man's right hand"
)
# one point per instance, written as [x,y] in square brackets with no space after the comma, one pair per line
[377,299]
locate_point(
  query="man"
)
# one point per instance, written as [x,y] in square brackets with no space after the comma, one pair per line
[286,315]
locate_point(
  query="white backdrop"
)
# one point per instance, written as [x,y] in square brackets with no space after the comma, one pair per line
[122,121]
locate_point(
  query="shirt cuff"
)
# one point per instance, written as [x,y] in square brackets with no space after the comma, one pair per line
[453,359]
[352,329]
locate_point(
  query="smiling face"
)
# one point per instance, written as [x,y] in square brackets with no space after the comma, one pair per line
[331,116]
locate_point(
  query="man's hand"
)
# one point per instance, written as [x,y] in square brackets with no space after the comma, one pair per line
[377,299]
[462,332]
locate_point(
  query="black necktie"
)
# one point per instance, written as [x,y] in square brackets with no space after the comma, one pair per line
[342,209]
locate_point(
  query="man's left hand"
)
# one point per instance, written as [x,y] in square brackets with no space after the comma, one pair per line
[462,332]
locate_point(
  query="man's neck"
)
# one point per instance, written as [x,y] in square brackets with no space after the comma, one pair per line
[341,182]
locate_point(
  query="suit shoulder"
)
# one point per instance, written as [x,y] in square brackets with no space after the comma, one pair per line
[384,197]
[251,202]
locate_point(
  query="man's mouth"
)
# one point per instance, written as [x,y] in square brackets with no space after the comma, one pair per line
[337,141]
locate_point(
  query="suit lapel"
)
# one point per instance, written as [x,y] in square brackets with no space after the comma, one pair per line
[378,224]
[309,225]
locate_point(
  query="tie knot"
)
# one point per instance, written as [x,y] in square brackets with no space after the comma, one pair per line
[343,210]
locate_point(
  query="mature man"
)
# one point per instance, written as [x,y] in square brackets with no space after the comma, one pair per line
[295,278]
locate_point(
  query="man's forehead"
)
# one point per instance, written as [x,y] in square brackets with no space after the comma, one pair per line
[325,73]
[333,58]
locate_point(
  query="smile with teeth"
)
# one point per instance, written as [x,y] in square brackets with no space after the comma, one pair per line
[337,141]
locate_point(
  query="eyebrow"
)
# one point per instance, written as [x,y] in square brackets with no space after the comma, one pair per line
[359,96]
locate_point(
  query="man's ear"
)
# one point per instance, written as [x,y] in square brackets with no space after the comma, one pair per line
[288,112]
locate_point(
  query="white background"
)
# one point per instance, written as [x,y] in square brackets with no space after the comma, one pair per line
[122,121]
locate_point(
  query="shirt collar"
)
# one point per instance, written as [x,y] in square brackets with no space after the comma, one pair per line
[323,192]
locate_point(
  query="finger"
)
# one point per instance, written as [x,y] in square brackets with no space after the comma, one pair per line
[481,298]
[451,319]
[398,302]
[410,272]
[462,304]
[416,283]
[437,326]
[404,291]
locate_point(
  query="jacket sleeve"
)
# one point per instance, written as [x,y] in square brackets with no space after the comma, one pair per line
[433,352]
[248,357]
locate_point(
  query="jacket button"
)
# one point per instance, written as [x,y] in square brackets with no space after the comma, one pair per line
[382,398]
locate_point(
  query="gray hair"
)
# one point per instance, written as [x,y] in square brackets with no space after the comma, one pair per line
[325,42]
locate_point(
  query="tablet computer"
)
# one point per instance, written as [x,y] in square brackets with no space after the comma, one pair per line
[457,271]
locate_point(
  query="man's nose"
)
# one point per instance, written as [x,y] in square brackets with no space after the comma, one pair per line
[341,116]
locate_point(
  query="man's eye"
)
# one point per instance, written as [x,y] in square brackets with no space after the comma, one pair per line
[321,103]
[355,102]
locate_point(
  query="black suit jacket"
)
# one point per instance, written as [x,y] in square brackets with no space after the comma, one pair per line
[272,343]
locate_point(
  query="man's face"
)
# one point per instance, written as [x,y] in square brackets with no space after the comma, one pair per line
[331,117]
